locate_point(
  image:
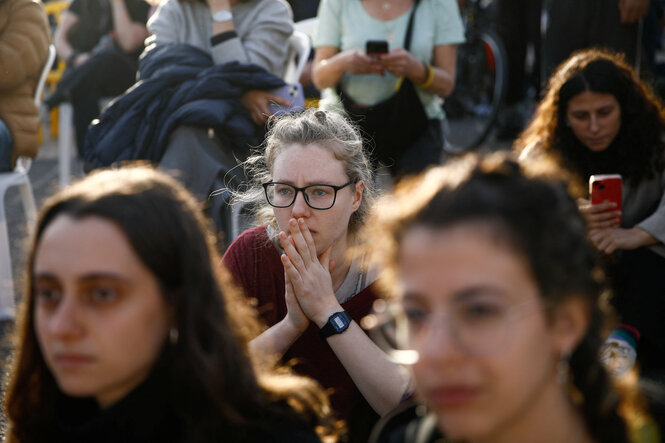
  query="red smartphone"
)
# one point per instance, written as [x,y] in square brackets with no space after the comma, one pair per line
[605,187]
[376,47]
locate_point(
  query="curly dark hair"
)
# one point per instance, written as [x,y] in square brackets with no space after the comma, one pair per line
[211,383]
[535,215]
[638,150]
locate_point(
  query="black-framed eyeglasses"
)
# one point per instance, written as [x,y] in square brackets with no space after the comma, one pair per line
[317,196]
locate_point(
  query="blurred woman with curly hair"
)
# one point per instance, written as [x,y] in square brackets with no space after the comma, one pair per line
[597,117]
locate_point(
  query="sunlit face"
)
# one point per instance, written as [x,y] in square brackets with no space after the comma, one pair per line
[100,318]
[595,119]
[301,166]
[475,390]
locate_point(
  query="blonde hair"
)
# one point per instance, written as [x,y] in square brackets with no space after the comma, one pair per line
[311,127]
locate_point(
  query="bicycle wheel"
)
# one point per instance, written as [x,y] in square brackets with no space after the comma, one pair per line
[472,108]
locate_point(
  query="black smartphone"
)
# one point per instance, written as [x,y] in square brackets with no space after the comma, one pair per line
[376,47]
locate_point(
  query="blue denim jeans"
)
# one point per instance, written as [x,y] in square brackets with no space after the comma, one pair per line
[6,148]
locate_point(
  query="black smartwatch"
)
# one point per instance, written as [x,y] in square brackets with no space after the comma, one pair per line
[337,323]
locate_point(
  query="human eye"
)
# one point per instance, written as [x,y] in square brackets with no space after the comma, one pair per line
[101,291]
[47,294]
[415,316]
[604,112]
[579,115]
[476,312]
[102,294]
[283,190]
[320,191]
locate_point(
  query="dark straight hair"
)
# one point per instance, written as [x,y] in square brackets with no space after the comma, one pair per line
[213,385]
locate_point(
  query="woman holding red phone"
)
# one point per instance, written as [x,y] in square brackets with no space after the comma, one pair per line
[597,117]
[367,80]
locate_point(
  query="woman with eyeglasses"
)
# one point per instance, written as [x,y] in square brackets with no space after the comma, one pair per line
[497,307]
[313,187]
[129,332]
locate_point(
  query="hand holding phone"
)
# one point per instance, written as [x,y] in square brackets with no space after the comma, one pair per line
[606,188]
[292,92]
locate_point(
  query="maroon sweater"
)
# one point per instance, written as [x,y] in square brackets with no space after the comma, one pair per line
[255,264]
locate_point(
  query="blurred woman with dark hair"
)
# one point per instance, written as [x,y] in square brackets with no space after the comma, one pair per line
[127,335]
[497,306]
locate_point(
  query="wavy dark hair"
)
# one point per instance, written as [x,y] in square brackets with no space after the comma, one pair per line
[638,150]
[539,220]
[211,383]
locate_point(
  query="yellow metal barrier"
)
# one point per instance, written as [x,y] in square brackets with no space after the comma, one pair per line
[54,9]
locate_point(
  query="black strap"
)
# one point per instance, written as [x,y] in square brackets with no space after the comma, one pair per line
[409,28]
[221,38]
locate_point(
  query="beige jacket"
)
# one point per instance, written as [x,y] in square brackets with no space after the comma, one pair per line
[24,39]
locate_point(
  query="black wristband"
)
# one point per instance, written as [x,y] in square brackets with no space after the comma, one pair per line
[337,323]
[221,38]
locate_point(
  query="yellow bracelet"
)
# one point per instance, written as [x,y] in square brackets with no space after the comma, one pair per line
[430,78]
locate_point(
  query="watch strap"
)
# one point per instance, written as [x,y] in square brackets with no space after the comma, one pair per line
[336,324]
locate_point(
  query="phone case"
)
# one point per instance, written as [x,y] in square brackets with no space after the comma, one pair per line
[293,92]
[376,47]
[605,187]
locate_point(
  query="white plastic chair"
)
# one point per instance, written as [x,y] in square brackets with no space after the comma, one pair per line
[65,142]
[307,26]
[300,46]
[18,177]
[66,139]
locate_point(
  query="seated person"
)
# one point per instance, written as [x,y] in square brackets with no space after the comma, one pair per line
[24,42]
[129,333]
[313,188]
[245,31]
[597,117]
[420,66]
[101,41]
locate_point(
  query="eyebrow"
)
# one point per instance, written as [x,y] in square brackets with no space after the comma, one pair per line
[472,292]
[85,278]
[310,183]
[606,107]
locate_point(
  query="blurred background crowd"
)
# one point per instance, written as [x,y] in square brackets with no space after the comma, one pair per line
[278,204]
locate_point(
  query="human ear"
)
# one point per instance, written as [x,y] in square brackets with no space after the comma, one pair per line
[571,322]
[358,194]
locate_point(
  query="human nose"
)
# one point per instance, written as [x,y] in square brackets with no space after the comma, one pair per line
[437,342]
[64,322]
[300,207]
[593,123]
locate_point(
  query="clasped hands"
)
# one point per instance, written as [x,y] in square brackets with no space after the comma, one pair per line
[309,291]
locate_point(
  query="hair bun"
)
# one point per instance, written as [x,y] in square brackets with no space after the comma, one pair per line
[320,116]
